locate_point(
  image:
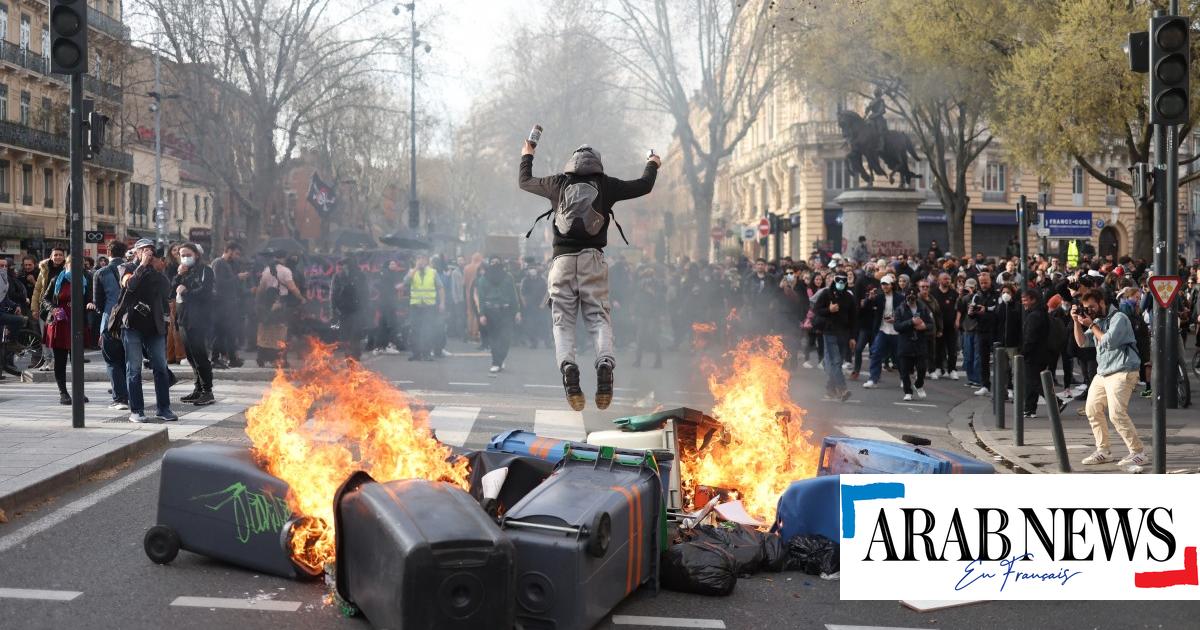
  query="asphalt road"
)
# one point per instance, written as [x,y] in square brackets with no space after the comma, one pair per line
[89,540]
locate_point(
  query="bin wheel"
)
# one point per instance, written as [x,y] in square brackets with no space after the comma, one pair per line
[162,544]
[599,535]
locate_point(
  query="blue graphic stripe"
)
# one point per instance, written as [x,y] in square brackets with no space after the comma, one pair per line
[850,494]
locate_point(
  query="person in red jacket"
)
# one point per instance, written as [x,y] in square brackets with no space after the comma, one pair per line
[57,305]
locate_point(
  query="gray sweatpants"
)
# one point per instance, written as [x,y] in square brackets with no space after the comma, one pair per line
[580,282]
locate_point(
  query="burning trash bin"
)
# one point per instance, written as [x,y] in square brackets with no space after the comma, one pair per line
[421,554]
[586,538]
[215,501]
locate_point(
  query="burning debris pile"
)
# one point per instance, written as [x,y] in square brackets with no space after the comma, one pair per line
[318,425]
[763,446]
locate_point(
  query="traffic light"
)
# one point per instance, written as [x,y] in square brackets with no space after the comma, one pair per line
[1170,58]
[68,36]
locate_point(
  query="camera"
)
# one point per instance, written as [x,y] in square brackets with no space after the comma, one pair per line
[649,154]
[141,308]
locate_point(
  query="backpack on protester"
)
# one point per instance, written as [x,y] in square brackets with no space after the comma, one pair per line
[576,216]
[1056,337]
[1141,334]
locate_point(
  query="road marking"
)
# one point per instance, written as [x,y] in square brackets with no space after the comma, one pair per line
[404,382]
[468,384]
[453,424]
[868,433]
[1078,447]
[913,404]
[830,626]
[666,622]
[77,506]
[929,605]
[237,604]
[33,593]
[563,424]
[544,386]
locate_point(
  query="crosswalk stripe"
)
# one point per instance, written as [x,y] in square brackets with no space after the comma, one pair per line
[453,424]
[868,433]
[563,424]
[237,604]
[33,593]
[666,622]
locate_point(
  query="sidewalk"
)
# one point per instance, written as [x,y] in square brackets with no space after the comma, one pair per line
[1038,454]
[41,454]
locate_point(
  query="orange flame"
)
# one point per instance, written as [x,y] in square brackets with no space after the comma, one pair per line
[333,418]
[764,446]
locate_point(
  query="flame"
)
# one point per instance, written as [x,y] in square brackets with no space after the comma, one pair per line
[330,419]
[764,446]
[701,333]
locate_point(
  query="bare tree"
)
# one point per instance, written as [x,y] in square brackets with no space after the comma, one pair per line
[281,64]
[736,59]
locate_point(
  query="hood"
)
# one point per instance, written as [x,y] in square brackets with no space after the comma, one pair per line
[584,161]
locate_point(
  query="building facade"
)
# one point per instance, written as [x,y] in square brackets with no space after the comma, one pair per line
[34,129]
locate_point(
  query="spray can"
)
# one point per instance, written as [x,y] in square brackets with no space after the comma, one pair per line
[535,135]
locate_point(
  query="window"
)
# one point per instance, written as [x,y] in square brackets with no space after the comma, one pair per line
[206,210]
[24,33]
[139,203]
[3,101]
[993,181]
[1077,185]
[1110,193]
[45,43]
[109,5]
[3,21]
[837,177]
[27,184]
[45,115]
[99,198]
[794,183]
[1045,192]
[25,97]
[5,173]
[196,208]
[112,198]
[48,187]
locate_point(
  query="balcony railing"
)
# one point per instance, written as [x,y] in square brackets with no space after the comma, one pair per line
[30,60]
[36,140]
[106,24]
[995,195]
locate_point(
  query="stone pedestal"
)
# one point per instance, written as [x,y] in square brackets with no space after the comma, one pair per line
[886,216]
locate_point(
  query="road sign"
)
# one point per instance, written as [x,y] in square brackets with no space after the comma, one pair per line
[1100,224]
[717,233]
[1164,289]
[747,233]
[93,236]
[1069,223]
[764,227]
[1043,232]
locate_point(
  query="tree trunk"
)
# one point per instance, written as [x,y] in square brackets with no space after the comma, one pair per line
[702,202]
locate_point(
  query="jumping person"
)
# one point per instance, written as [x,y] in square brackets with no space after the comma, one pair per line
[582,197]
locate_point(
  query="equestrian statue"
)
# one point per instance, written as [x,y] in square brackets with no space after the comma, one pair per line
[871,140]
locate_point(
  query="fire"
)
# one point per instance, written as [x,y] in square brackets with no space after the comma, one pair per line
[764,446]
[328,420]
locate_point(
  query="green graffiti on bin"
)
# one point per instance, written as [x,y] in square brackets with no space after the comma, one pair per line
[253,512]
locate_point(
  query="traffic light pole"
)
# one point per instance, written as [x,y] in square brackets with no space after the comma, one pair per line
[75,210]
[1023,232]
[1158,338]
[1171,268]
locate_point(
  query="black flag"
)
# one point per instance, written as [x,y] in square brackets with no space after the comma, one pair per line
[322,196]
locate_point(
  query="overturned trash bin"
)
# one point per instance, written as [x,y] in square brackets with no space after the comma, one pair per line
[421,554]
[846,455]
[215,501]
[530,444]
[586,538]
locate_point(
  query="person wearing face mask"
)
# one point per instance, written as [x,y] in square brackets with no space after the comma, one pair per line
[535,317]
[794,307]
[945,351]
[57,305]
[194,316]
[140,318]
[926,299]
[496,301]
[914,325]
[1009,328]
[837,319]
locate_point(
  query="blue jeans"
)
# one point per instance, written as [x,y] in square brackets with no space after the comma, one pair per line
[156,347]
[835,380]
[970,352]
[113,351]
[861,342]
[884,347]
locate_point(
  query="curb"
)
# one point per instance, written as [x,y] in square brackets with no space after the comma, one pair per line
[962,428]
[147,442]
[258,375]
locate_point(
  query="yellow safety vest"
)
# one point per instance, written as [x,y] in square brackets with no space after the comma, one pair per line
[422,291]
[1072,255]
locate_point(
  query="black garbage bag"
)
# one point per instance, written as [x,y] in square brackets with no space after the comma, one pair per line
[699,567]
[524,474]
[774,553]
[745,544]
[813,554]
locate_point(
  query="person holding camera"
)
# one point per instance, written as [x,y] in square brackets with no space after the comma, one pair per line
[106,293]
[140,319]
[886,338]
[194,298]
[1098,325]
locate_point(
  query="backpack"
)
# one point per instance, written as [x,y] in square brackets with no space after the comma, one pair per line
[1141,334]
[576,216]
[1056,337]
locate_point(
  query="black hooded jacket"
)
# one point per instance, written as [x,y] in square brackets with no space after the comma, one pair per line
[612,190]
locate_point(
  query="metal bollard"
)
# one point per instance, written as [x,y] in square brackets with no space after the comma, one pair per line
[1056,430]
[1018,372]
[998,358]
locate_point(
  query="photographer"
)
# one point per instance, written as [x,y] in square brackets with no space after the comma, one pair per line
[1109,331]
[194,286]
[140,319]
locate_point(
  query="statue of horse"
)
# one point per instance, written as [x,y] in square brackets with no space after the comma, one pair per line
[864,144]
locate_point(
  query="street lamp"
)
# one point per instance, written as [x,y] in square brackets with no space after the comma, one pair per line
[414,211]
[160,213]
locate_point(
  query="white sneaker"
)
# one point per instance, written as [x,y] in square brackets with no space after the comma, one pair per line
[137,417]
[1066,394]
[933,376]
[1041,401]
[921,393]
[982,391]
[1099,457]
[119,406]
[954,375]
[808,365]
[1079,389]
[908,397]
[847,365]
[1139,458]
[1010,394]
[870,385]
[494,369]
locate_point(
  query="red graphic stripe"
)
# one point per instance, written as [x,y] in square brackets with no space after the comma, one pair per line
[1187,576]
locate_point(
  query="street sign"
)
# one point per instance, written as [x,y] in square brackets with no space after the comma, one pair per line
[1068,223]
[1164,289]
[747,233]
[93,236]
[1100,224]
[717,233]
[764,227]
[1043,232]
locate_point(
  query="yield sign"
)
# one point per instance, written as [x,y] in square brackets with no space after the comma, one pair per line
[1164,289]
